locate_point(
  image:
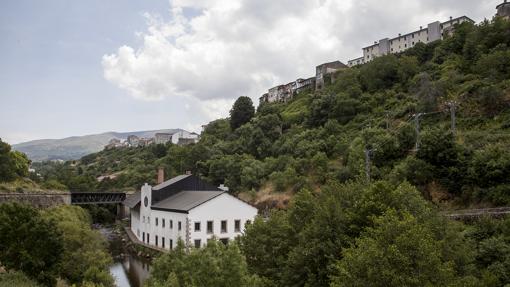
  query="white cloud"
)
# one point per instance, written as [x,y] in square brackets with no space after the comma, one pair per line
[241,48]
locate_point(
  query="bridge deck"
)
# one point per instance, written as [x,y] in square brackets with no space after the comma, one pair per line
[80,198]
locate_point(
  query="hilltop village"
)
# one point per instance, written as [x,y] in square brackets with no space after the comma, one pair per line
[325,73]
[180,137]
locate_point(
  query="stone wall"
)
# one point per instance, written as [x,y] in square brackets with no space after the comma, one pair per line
[39,200]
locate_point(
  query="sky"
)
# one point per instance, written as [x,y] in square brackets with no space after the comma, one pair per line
[72,68]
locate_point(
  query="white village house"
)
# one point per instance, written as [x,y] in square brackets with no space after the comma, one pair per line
[187,208]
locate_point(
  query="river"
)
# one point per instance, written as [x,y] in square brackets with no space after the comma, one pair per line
[128,270]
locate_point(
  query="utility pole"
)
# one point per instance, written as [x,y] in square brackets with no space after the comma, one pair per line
[417,128]
[368,155]
[453,106]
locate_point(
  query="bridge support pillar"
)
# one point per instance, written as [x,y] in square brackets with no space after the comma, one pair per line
[122,211]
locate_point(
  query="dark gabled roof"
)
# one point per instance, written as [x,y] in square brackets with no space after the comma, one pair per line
[502,4]
[170,181]
[186,200]
[132,200]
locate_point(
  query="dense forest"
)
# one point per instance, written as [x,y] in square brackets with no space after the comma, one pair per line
[436,116]
[361,165]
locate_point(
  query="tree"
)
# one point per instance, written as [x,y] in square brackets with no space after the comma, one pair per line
[397,251]
[342,213]
[437,147]
[84,255]
[382,73]
[7,170]
[490,166]
[426,92]
[266,245]
[416,171]
[29,243]
[214,265]
[241,112]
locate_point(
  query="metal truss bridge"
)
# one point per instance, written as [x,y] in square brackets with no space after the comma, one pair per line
[81,198]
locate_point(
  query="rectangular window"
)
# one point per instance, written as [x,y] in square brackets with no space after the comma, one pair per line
[148,235]
[143,236]
[197,243]
[163,242]
[179,225]
[224,240]
[171,224]
[237,225]
[163,222]
[197,226]
[171,244]
[156,221]
[156,240]
[223,226]
[210,227]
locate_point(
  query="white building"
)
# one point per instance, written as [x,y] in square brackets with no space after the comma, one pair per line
[433,32]
[503,10]
[162,138]
[187,208]
[326,69]
[182,134]
[284,93]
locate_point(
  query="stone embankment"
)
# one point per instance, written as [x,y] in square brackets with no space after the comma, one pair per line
[39,200]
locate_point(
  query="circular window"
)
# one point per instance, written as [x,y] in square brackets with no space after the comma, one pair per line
[146,201]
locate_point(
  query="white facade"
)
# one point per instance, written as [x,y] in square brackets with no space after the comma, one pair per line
[223,217]
[162,138]
[184,135]
[226,208]
[433,32]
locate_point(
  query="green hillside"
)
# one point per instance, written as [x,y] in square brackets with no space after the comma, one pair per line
[323,135]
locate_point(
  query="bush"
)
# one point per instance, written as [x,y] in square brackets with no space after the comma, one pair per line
[30,243]
[16,279]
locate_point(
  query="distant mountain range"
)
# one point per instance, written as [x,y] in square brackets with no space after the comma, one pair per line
[77,146]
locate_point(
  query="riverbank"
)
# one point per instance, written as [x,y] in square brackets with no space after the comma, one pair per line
[132,263]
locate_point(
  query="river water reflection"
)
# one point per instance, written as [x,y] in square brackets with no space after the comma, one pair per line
[130,272]
[128,269]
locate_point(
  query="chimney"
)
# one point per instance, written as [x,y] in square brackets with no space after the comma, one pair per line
[188,172]
[421,27]
[161,175]
[451,18]
[223,187]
